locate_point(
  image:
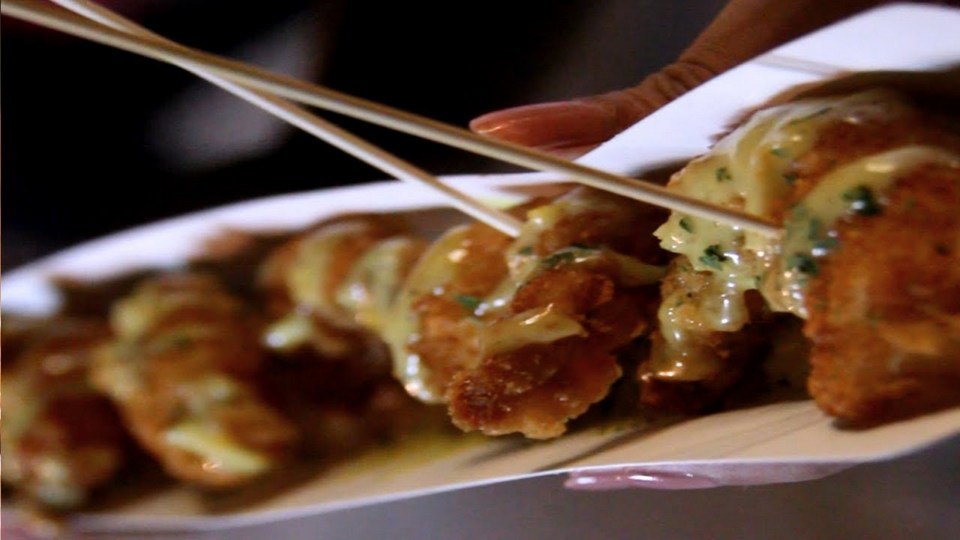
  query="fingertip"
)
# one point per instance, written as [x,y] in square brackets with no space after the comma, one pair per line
[556,126]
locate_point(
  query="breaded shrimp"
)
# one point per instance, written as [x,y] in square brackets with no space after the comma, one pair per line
[866,186]
[581,288]
[302,279]
[183,370]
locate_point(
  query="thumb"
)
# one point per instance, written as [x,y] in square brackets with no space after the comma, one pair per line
[572,127]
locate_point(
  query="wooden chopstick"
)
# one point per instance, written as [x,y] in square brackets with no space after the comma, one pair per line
[318,96]
[314,125]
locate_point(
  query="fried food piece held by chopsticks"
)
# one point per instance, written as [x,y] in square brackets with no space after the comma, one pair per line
[582,285]
[61,439]
[183,371]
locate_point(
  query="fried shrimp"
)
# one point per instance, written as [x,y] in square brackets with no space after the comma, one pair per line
[61,439]
[534,386]
[304,283]
[183,369]
[866,186]
[579,288]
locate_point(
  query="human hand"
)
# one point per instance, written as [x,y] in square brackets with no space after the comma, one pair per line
[741,31]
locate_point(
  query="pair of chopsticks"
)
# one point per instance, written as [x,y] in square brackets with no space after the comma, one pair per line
[262,88]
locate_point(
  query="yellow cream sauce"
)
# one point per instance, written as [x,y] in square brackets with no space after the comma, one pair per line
[375,280]
[362,299]
[809,227]
[308,278]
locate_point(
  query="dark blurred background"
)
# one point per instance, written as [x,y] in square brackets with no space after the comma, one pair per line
[95,140]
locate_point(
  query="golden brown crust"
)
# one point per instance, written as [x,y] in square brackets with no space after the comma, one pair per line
[885,309]
[537,388]
[884,343]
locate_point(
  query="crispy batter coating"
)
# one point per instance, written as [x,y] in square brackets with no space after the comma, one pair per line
[537,388]
[885,308]
[616,223]
[182,370]
[328,293]
[60,438]
[579,294]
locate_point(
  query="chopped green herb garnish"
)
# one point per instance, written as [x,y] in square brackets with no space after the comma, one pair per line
[814,227]
[874,318]
[558,258]
[723,174]
[713,256]
[526,250]
[686,225]
[180,340]
[579,245]
[470,303]
[862,201]
[779,151]
[803,263]
[790,177]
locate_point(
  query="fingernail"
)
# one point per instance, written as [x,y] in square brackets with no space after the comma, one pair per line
[636,478]
[550,126]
